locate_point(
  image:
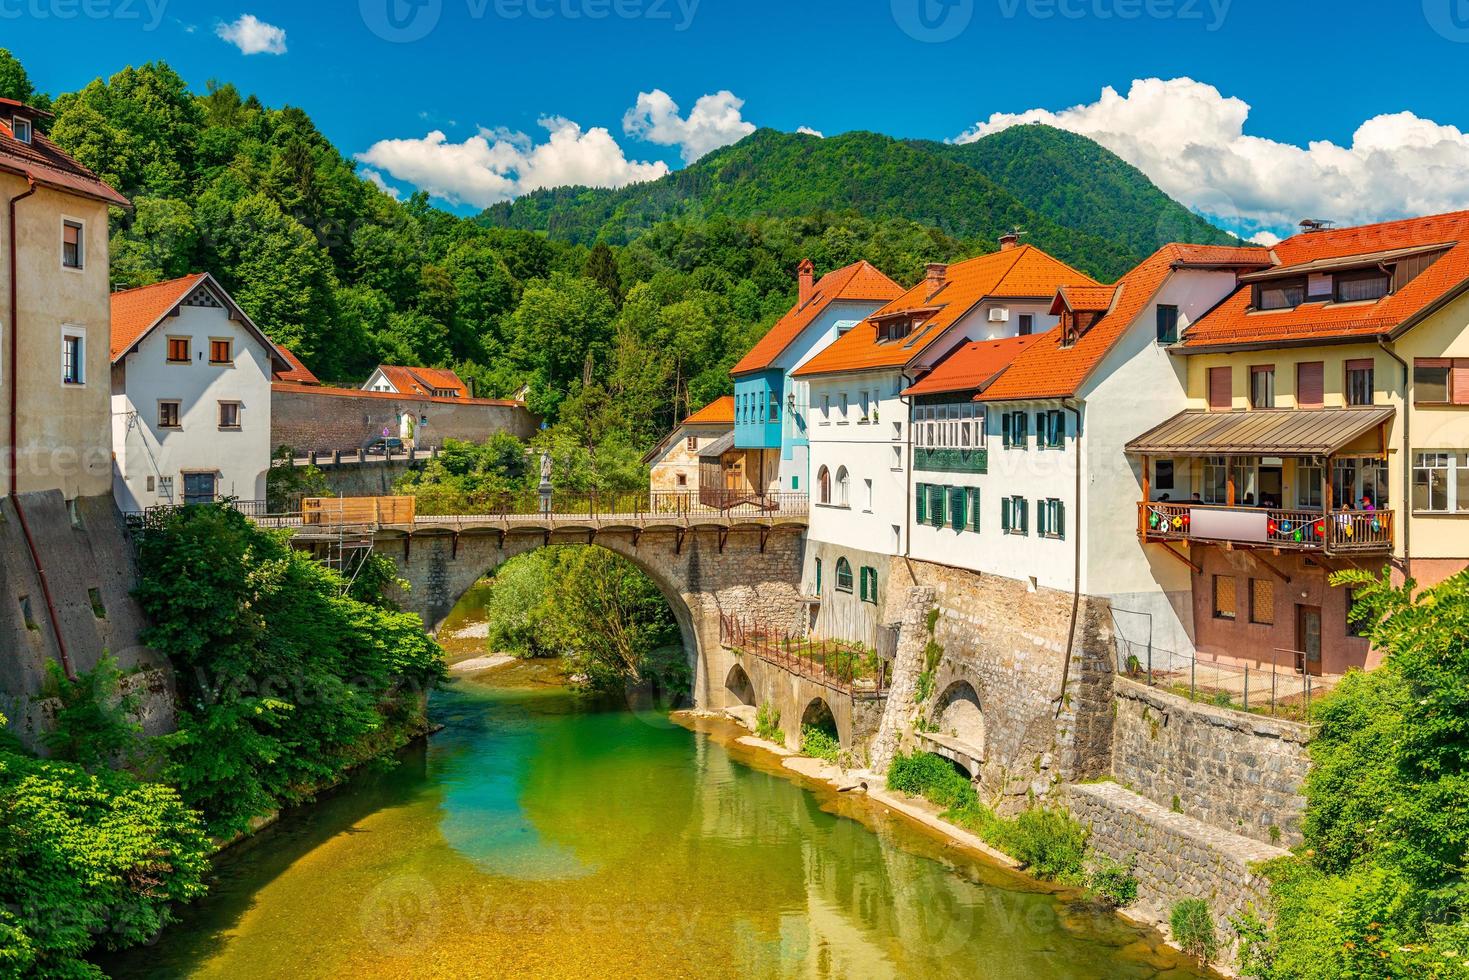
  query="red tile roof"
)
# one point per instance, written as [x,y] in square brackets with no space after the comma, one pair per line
[1017,273]
[972,366]
[298,373]
[858,281]
[136,311]
[326,391]
[1091,299]
[720,411]
[1234,323]
[1048,370]
[47,162]
[423,381]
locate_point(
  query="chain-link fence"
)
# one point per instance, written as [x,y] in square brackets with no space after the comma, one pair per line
[1279,689]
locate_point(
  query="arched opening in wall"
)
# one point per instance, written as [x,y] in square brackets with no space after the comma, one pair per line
[823,486]
[613,628]
[820,736]
[958,715]
[737,683]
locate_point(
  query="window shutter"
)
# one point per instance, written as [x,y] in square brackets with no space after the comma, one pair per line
[1023,505]
[1022,429]
[1060,529]
[1007,424]
[936,506]
[1310,385]
[920,504]
[1041,441]
[974,509]
[1221,389]
[1042,518]
[1459,382]
[958,517]
[1006,518]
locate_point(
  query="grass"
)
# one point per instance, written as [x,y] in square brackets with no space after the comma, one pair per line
[767,724]
[819,744]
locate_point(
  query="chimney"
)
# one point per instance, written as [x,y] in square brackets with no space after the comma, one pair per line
[934,274]
[1009,240]
[806,276]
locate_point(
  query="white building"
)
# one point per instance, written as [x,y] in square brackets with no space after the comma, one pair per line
[190,395]
[859,434]
[417,382]
[997,453]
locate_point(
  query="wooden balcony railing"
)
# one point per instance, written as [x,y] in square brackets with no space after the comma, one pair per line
[1357,531]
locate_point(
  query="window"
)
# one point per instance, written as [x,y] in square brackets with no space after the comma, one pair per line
[844,575]
[200,488]
[681,480]
[867,490]
[168,415]
[1441,482]
[21,128]
[1308,485]
[223,352]
[1050,518]
[1360,384]
[72,245]
[1014,515]
[868,584]
[843,487]
[1262,601]
[1262,386]
[1167,324]
[1027,324]
[1431,382]
[1356,627]
[1310,384]
[897,458]
[1221,389]
[826,410]
[692,444]
[1163,477]
[1224,598]
[1284,295]
[774,406]
[73,359]
[1050,429]
[229,415]
[955,426]
[823,486]
[150,484]
[1367,284]
[1015,428]
[1216,480]
[178,350]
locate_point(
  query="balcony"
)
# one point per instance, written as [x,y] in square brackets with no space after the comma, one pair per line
[1357,532]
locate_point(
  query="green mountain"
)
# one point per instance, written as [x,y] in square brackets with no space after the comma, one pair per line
[1069,195]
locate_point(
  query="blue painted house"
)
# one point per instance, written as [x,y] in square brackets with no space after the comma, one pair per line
[771,407]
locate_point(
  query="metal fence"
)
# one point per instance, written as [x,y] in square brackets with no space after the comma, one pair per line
[848,668]
[1277,689]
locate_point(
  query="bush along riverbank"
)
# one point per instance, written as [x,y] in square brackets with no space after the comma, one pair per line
[289,676]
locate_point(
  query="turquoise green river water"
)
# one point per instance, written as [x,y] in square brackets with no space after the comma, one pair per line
[544,834]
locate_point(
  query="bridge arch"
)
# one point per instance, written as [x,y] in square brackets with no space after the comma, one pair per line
[959,714]
[739,686]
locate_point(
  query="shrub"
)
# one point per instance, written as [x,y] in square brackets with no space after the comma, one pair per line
[819,744]
[932,777]
[1114,882]
[1048,841]
[1193,929]
[94,725]
[767,724]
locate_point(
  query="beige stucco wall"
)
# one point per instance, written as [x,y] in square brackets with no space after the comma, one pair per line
[64,441]
[677,458]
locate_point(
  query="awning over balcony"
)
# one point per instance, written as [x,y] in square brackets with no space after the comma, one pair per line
[1278,432]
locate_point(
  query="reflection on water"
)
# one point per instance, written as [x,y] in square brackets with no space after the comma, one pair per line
[549,835]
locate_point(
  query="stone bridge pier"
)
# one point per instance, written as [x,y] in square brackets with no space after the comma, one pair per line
[702,572]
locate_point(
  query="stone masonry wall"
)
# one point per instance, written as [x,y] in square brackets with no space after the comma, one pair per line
[1235,771]
[308,418]
[1176,856]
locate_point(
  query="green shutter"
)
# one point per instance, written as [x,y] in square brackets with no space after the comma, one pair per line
[1007,427]
[1022,429]
[1042,436]
[974,508]
[818,576]
[1060,530]
[1007,519]
[936,505]
[1022,514]
[958,516]
[920,504]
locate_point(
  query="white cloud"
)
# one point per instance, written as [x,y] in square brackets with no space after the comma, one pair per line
[1191,140]
[714,121]
[1267,238]
[376,179]
[808,131]
[497,165]
[253,36]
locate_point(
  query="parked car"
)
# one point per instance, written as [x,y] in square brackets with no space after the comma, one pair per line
[386,446]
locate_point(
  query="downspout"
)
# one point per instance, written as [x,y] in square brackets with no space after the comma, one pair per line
[908,477]
[1407,459]
[10,452]
[1076,568]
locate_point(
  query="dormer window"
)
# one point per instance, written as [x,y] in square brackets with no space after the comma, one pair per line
[21,127]
[1285,294]
[895,329]
[1364,284]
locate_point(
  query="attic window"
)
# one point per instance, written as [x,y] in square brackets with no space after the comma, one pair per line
[1364,284]
[21,128]
[1282,295]
[894,329]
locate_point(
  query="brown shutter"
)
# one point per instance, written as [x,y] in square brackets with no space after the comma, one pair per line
[1221,389]
[1310,385]
[1459,382]
[1360,364]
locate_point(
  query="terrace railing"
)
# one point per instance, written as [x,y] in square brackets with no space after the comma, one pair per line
[1279,689]
[1364,531]
[847,668]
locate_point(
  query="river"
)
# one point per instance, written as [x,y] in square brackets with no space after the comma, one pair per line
[546,834]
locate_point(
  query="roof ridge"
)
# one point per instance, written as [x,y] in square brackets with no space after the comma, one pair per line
[157,285]
[1462,214]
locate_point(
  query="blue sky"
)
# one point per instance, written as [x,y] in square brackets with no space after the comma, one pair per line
[1306,71]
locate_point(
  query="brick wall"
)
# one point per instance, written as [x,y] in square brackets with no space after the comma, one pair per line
[324,419]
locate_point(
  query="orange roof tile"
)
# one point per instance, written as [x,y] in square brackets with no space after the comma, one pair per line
[1022,272]
[858,281]
[1048,370]
[137,311]
[298,373]
[973,365]
[1234,323]
[1092,299]
[47,162]
[720,411]
[423,381]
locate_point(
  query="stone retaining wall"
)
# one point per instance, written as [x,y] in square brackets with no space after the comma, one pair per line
[1176,856]
[321,419]
[1232,770]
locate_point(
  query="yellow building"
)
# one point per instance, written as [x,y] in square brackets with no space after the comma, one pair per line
[55,406]
[1328,429]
